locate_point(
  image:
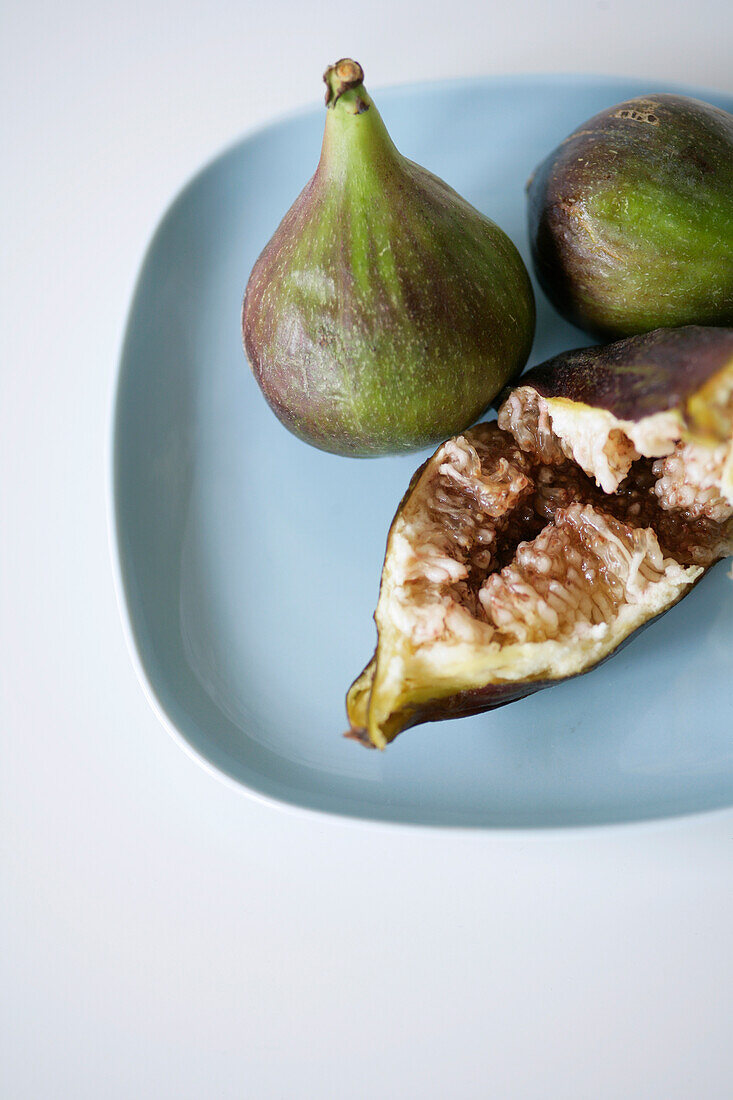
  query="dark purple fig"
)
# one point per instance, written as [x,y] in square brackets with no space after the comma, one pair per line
[386,312]
[666,394]
[631,218]
[508,568]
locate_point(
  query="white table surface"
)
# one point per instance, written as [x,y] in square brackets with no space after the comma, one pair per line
[162,934]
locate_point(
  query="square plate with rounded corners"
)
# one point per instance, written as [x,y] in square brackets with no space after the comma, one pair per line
[249,562]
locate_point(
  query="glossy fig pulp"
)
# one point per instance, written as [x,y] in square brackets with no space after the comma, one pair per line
[509,568]
[666,394]
[386,312]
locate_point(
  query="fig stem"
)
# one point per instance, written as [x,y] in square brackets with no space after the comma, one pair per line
[355,140]
[340,78]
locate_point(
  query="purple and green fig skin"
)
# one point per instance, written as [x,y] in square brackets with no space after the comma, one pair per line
[631,218]
[386,312]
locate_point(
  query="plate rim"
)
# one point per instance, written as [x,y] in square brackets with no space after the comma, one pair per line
[354,818]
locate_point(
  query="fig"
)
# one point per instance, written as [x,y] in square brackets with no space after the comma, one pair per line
[386,312]
[666,394]
[631,218]
[515,560]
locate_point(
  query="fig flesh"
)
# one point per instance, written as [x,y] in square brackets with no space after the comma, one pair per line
[631,218]
[667,394]
[386,312]
[508,568]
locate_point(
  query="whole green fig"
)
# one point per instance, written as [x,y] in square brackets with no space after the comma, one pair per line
[386,312]
[631,218]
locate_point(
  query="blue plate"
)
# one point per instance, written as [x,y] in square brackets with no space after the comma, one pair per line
[250,562]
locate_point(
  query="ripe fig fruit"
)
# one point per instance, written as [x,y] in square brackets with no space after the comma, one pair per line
[667,394]
[631,218]
[386,312]
[508,568]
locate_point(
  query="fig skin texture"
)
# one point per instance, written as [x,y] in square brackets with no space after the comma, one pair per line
[631,218]
[386,312]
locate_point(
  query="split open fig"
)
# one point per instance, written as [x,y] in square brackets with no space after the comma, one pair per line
[667,394]
[527,550]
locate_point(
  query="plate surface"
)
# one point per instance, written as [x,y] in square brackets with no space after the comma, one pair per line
[250,562]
